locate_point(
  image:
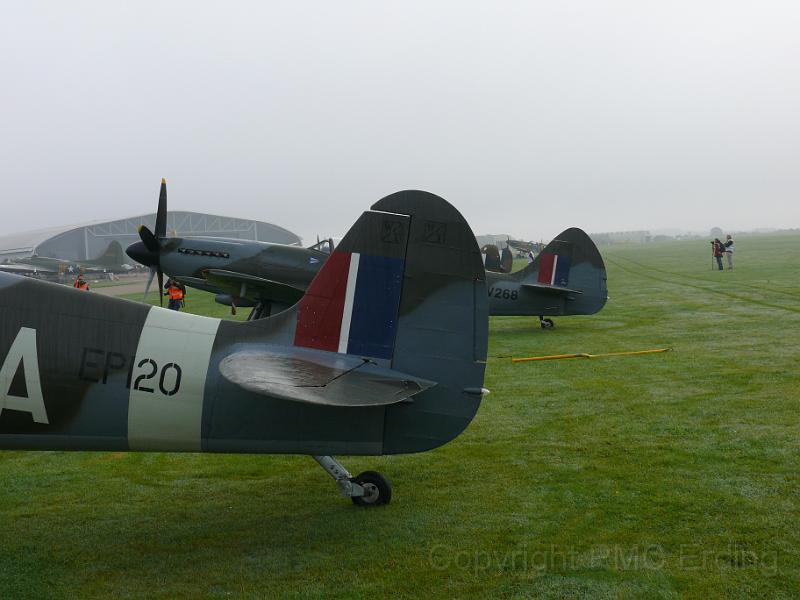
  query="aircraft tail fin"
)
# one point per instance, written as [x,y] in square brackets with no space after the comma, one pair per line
[496,261]
[491,258]
[571,260]
[506,260]
[406,289]
[112,257]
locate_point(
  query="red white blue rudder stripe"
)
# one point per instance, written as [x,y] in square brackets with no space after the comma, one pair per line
[352,304]
[553,269]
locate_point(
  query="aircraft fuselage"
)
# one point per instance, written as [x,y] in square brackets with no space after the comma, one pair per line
[82,371]
[191,256]
[508,297]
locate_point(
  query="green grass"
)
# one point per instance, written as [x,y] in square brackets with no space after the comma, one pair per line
[197,302]
[660,476]
[104,283]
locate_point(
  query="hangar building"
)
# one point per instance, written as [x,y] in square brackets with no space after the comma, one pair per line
[86,242]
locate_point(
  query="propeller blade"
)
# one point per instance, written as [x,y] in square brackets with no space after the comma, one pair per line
[148,239]
[149,282]
[150,254]
[160,287]
[161,215]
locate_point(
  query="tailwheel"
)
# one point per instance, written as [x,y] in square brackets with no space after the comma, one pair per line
[377,489]
[546,323]
[369,488]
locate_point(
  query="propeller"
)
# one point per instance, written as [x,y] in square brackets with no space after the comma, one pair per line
[148,251]
[149,282]
[161,213]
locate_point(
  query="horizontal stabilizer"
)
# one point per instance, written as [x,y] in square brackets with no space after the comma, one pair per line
[19,268]
[241,285]
[324,378]
[550,288]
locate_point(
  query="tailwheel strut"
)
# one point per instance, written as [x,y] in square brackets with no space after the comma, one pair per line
[369,488]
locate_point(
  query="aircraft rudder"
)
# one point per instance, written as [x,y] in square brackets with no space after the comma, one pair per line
[351,305]
[588,273]
[572,260]
[406,289]
[443,323]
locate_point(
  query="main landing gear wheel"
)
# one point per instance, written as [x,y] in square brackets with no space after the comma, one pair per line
[377,489]
[546,323]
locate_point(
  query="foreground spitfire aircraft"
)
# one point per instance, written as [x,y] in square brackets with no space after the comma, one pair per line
[268,277]
[385,354]
[568,277]
[110,261]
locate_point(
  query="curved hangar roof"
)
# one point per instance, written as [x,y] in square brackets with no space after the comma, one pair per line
[84,242]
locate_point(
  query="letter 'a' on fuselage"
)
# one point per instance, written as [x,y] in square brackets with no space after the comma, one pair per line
[567,278]
[384,354]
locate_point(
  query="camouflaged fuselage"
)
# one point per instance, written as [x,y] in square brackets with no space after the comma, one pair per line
[80,371]
[192,256]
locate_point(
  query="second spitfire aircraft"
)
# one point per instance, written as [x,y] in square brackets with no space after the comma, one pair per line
[568,277]
[385,354]
[269,277]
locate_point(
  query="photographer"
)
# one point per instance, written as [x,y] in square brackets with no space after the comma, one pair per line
[717,250]
[728,247]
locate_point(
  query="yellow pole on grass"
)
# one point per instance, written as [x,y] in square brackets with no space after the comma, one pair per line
[584,355]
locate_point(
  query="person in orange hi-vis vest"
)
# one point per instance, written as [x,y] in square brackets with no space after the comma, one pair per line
[176,293]
[81,283]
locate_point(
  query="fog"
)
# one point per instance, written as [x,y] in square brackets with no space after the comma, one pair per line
[530,117]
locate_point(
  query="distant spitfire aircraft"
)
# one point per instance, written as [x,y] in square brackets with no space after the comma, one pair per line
[268,277]
[524,247]
[108,262]
[568,277]
[385,354]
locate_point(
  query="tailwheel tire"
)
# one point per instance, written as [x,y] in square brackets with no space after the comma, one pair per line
[547,324]
[377,489]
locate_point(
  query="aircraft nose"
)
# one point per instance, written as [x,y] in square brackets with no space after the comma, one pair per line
[139,252]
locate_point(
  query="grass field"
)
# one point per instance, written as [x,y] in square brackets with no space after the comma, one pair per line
[198,302]
[662,476]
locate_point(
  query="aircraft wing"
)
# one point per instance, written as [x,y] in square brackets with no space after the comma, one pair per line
[20,268]
[250,286]
[197,282]
[555,289]
[315,377]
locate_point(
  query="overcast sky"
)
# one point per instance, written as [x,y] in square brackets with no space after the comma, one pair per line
[530,117]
